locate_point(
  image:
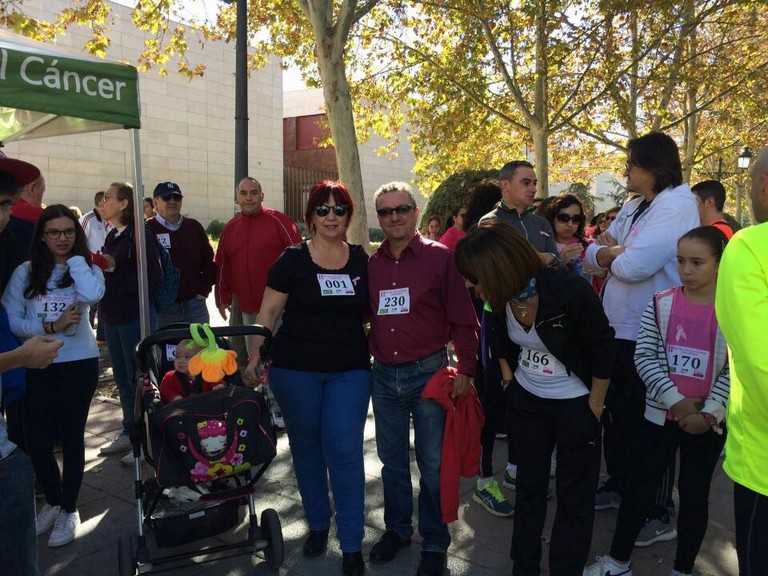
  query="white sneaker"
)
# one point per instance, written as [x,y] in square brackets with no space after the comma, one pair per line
[119,444]
[605,566]
[127,460]
[46,518]
[65,529]
[277,418]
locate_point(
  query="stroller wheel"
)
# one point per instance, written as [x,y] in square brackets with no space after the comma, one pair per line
[126,565]
[272,532]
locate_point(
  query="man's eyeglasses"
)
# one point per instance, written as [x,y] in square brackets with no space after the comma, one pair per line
[629,164]
[402,209]
[6,204]
[339,210]
[565,218]
[56,234]
[176,197]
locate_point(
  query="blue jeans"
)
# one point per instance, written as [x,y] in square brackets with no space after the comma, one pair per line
[192,311]
[325,417]
[121,342]
[18,540]
[396,397]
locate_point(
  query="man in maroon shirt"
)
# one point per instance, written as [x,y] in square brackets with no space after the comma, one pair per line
[419,303]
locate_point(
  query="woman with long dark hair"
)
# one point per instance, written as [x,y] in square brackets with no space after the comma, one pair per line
[50,294]
[119,309]
[556,354]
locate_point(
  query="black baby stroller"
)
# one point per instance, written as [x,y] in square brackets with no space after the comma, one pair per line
[207,452]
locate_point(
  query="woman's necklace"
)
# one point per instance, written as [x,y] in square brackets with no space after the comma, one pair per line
[522,310]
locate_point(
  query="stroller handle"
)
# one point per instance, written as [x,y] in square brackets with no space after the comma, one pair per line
[178,333]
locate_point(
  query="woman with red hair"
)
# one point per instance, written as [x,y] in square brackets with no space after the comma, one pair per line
[320,371]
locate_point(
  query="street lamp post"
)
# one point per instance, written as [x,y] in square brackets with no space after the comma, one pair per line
[241,133]
[743,163]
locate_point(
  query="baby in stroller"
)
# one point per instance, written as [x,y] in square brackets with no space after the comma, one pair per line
[179,383]
[207,450]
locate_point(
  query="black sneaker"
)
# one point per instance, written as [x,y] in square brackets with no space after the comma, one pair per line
[432,564]
[352,564]
[315,544]
[387,547]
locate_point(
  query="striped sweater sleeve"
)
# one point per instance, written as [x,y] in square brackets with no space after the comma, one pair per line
[717,399]
[651,362]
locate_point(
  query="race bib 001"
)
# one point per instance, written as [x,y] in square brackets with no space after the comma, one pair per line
[394,302]
[684,361]
[335,285]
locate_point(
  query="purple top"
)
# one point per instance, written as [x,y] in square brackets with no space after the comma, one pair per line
[419,303]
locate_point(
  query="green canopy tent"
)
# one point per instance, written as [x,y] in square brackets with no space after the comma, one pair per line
[45,92]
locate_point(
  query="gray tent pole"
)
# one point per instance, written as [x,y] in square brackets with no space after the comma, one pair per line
[140,235]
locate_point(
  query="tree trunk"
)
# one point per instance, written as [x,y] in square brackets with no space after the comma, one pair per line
[539,127]
[541,146]
[342,123]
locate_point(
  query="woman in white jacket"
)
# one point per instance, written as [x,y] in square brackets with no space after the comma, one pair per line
[50,294]
[682,359]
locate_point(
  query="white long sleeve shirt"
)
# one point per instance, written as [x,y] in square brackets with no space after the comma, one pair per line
[26,316]
[649,262]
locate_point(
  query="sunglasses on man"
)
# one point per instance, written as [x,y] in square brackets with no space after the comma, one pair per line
[402,209]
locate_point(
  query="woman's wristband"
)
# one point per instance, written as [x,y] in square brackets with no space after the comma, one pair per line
[709,419]
[597,404]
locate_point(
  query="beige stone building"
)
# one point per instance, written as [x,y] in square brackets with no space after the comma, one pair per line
[187,133]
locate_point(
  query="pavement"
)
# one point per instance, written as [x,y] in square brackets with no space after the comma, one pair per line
[480,541]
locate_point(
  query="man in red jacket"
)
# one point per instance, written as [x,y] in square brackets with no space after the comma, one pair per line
[249,245]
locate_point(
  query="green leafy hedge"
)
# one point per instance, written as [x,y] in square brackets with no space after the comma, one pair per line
[214,229]
[452,193]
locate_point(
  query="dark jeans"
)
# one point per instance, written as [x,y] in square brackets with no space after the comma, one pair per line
[540,426]
[194,310]
[492,397]
[14,419]
[396,399]
[494,409]
[56,406]
[624,409]
[121,341]
[751,512]
[656,445]
[18,542]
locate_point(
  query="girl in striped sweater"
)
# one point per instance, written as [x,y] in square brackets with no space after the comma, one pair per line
[682,358]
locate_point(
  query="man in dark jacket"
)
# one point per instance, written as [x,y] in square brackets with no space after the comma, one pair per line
[186,241]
